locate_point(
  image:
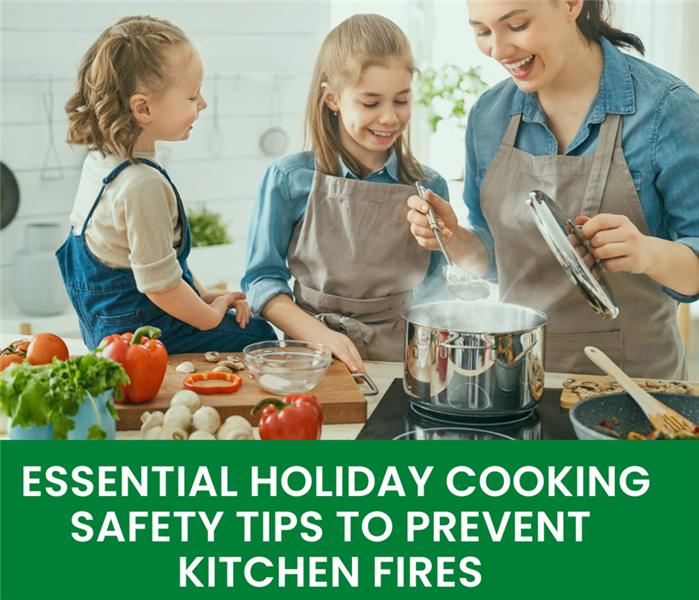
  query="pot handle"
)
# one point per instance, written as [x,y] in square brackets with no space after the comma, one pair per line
[373,391]
[459,347]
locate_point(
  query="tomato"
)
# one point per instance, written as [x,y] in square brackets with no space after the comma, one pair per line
[7,359]
[44,346]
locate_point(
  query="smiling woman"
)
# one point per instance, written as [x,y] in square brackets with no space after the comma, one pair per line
[607,136]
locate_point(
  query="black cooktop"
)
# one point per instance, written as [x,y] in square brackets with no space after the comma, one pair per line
[396,418]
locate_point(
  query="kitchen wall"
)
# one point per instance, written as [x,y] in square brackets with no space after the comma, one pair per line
[248,48]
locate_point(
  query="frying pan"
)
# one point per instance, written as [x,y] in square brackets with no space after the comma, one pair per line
[9,196]
[630,415]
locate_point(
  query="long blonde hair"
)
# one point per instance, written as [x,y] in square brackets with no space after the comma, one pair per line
[127,57]
[357,43]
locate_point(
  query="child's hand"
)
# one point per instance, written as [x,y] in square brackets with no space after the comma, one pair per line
[209,296]
[242,310]
[420,226]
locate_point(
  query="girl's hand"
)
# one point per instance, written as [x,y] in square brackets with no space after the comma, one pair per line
[420,225]
[209,296]
[242,310]
[617,242]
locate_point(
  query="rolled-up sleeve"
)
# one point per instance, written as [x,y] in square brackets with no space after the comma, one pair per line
[472,197]
[676,162]
[269,233]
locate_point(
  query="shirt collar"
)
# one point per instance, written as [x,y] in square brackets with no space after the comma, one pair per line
[390,166]
[615,93]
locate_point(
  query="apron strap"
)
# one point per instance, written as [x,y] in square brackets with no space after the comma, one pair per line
[609,136]
[508,140]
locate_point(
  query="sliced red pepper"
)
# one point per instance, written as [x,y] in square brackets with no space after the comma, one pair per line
[143,359]
[295,417]
[233,385]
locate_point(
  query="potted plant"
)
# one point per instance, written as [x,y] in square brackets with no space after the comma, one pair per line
[446,94]
[212,255]
[65,399]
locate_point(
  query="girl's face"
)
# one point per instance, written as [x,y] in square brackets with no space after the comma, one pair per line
[373,113]
[532,40]
[173,112]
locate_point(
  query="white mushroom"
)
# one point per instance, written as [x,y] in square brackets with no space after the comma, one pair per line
[178,417]
[173,433]
[222,369]
[239,433]
[232,423]
[153,433]
[206,419]
[188,398]
[186,367]
[212,356]
[201,435]
[150,420]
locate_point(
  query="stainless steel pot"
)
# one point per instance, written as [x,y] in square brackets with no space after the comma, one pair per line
[477,359]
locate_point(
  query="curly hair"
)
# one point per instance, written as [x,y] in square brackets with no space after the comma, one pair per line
[129,56]
[359,42]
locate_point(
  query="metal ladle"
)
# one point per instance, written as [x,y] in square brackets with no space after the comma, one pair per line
[461,283]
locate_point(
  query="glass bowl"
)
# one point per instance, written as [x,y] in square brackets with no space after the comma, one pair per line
[287,366]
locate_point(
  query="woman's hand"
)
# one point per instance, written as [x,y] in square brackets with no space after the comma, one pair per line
[420,225]
[343,349]
[587,258]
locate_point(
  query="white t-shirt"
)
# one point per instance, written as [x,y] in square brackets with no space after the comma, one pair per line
[135,223]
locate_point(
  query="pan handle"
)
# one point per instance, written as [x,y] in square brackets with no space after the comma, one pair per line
[374,390]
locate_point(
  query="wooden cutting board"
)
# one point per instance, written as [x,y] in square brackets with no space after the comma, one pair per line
[569,397]
[338,393]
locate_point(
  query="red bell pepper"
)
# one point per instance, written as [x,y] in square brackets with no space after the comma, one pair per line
[143,359]
[295,417]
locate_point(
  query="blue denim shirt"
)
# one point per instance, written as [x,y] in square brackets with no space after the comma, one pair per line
[281,202]
[660,140]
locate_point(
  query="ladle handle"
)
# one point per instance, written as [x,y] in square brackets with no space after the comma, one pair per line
[434,225]
[644,399]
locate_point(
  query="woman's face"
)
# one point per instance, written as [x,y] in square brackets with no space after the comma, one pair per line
[532,40]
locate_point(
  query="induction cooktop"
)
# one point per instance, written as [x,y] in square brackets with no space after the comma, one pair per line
[396,418]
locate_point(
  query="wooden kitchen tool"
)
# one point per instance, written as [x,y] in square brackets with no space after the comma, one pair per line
[661,417]
[338,393]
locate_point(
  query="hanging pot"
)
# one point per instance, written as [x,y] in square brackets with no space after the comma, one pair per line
[479,359]
[9,196]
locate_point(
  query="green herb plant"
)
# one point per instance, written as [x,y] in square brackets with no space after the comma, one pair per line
[452,85]
[207,228]
[42,394]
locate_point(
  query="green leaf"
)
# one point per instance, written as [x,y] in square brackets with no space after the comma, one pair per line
[207,228]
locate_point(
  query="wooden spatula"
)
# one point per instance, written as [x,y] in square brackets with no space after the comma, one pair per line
[661,417]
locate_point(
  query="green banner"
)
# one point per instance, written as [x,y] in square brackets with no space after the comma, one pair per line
[447,519]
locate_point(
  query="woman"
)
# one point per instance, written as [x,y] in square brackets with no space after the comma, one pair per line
[607,136]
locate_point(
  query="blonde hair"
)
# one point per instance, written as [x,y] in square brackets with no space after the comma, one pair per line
[128,57]
[354,45]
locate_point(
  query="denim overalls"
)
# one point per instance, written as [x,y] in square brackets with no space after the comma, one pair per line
[107,300]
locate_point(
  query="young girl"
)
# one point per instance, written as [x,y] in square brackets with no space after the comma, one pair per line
[335,218]
[125,261]
[604,134]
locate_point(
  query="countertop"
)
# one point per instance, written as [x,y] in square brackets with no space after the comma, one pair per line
[382,373]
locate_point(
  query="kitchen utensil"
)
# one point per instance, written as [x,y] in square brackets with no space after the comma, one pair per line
[624,409]
[452,433]
[662,418]
[461,283]
[549,219]
[216,143]
[480,360]
[285,367]
[338,393]
[570,398]
[49,171]
[273,142]
[9,196]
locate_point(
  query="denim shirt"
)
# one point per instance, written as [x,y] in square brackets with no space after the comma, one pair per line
[281,203]
[660,140]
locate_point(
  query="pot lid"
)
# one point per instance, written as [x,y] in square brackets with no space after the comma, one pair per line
[550,221]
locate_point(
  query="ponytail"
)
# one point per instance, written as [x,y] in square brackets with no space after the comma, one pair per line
[593,22]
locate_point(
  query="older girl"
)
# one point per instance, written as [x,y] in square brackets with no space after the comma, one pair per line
[334,218]
[604,134]
[125,261]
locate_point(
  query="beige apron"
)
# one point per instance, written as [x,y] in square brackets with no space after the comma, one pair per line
[644,340]
[356,263]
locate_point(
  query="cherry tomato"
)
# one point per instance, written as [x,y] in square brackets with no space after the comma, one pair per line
[44,346]
[7,359]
